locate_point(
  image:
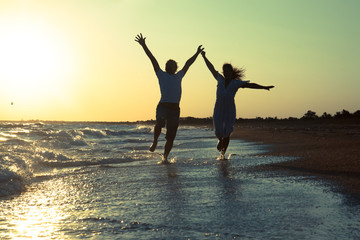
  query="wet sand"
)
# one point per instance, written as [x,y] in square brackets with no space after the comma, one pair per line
[328,148]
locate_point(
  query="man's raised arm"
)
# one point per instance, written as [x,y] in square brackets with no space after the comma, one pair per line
[141,40]
[192,59]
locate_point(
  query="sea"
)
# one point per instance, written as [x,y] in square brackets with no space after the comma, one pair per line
[99,181]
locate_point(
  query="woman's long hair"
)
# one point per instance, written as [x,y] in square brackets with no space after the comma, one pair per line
[237,73]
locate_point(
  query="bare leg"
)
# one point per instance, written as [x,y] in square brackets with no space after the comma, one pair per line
[168,146]
[157,131]
[225,144]
[220,144]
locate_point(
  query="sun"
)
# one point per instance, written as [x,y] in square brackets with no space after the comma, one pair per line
[35,61]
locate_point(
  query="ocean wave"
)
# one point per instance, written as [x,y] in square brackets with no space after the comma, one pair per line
[11,124]
[15,172]
[143,129]
[49,155]
[20,124]
[12,139]
[115,133]
[88,162]
[94,132]
[130,131]
[10,183]
[30,149]
[17,142]
[19,161]
[63,139]
[101,133]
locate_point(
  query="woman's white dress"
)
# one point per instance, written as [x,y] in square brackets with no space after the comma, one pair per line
[224,111]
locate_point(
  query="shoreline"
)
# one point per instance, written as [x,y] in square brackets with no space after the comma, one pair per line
[328,149]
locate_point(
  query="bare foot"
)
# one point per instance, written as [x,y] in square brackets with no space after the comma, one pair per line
[164,160]
[153,146]
[219,145]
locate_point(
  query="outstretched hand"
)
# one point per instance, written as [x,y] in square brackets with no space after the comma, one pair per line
[140,39]
[268,87]
[203,53]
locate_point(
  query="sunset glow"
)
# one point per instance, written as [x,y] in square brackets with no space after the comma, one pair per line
[65,60]
[34,62]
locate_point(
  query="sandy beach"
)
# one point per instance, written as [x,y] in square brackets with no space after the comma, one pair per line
[328,148]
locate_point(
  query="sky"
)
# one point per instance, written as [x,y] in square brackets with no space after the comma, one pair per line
[76,60]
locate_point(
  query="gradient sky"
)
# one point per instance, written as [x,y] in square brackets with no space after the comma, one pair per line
[77,59]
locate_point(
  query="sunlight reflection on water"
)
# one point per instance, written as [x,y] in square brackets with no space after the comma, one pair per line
[101,191]
[40,217]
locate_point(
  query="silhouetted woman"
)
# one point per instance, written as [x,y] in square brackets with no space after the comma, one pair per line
[225,112]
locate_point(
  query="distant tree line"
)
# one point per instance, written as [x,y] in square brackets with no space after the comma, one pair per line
[343,114]
[309,115]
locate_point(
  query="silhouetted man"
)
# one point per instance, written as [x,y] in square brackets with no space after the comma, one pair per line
[167,111]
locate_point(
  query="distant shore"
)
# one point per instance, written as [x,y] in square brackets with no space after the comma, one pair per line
[327,148]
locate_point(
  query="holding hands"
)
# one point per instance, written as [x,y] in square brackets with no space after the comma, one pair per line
[203,53]
[141,40]
[200,49]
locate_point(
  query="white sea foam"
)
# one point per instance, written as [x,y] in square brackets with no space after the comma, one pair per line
[28,149]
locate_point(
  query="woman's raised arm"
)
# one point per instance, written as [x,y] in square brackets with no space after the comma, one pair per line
[209,65]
